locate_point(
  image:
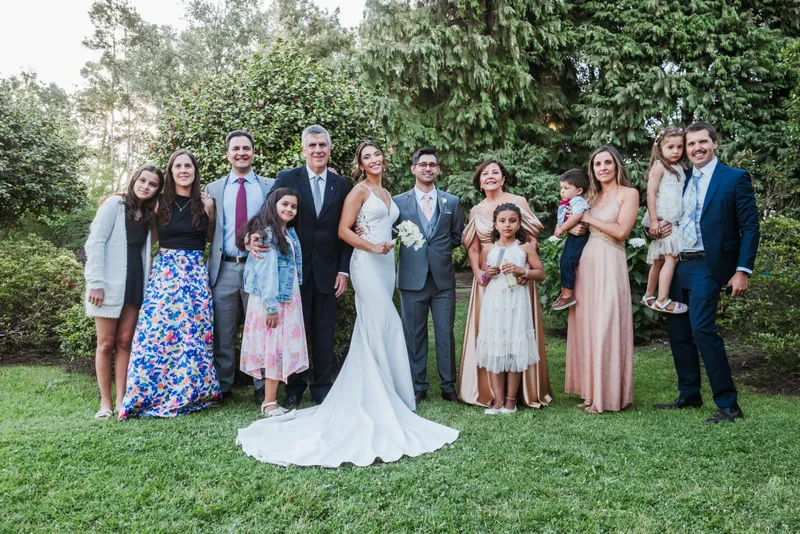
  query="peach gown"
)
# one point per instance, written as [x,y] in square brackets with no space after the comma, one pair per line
[473,382]
[600,329]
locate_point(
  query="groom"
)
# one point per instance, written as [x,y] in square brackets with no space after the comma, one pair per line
[426,278]
[719,233]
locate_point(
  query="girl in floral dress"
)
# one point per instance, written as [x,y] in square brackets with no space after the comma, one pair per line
[274,339]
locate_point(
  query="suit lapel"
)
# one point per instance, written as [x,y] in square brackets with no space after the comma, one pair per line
[716,178]
[220,203]
[441,207]
[304,188]
[263,184]
[331,185]
[411,206]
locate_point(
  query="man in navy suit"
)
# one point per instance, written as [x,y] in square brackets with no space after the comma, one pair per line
[326,259]
[720,232]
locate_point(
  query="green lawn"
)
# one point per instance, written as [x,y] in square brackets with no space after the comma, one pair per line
[556,469]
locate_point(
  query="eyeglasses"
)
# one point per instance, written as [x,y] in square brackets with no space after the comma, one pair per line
[424,165]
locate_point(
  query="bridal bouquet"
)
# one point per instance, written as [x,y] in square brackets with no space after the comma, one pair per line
[410,235]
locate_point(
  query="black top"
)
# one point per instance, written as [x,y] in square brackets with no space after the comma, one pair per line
[136,232]
[179,234]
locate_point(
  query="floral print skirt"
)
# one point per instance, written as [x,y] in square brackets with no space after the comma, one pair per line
[279,351]
[171,369]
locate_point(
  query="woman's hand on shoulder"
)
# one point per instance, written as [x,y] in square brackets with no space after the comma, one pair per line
[208,202]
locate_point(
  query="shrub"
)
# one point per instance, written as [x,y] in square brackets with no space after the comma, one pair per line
[645,320]
[77,335]
[37,283]
[767,317]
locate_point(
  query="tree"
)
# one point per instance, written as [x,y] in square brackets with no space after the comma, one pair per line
[471,77]
[39,152]
[274,95]
[317,32]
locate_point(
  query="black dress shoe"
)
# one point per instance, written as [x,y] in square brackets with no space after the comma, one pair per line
[258,396]
[291,400]
[450,396]
[420,396]
[726,415]
[226,395]
[679,404]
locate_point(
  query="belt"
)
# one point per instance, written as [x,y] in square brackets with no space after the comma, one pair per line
[235,259]
[696,255]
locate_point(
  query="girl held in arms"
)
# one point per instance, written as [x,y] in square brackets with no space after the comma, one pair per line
[507,343]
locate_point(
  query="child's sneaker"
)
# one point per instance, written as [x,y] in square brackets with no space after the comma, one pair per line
[562,302]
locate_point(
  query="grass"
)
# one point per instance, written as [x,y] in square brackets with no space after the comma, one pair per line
[551,470]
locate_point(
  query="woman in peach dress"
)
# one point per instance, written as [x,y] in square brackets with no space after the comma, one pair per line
[600,330]
[473,383]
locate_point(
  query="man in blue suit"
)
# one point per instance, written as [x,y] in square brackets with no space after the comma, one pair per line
[720,232]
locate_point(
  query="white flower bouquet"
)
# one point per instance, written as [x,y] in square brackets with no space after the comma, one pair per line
[410,235]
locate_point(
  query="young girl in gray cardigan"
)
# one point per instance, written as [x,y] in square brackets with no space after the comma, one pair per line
[117,265]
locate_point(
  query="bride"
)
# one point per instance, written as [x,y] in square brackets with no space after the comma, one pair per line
[369,412]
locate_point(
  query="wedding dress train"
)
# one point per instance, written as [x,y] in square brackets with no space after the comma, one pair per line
[368,413]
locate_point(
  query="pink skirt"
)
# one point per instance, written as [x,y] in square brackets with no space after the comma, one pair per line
[279,351]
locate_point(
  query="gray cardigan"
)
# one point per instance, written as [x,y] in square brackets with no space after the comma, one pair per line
[107,258]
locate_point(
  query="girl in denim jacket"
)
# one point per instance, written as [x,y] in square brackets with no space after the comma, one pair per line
[274,339]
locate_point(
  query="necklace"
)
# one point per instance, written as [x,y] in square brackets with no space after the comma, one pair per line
[179,206]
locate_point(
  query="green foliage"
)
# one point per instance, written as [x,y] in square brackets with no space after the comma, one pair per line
[77,335]
[767,318]
[276,93]
[645,320]
[39,153]
[37,282]
[64,230]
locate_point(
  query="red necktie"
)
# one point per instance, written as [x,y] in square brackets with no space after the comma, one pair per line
[241,207]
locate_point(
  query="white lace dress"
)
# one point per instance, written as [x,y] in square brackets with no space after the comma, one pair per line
[668,206]
[369,412]
[506,336]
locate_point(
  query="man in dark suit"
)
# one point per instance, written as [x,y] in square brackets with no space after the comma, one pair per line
[720,232]
[326,259]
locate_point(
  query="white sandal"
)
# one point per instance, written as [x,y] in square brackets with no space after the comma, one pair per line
[678,309]
[104,414]
[280,410]
[646,300]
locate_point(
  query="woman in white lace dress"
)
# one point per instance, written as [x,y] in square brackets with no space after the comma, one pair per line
[369,412]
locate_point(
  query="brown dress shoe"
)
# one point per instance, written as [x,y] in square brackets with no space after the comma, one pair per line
[450,396]
[420,396]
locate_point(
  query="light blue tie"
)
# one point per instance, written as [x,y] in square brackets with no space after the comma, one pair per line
[689,213]
[317,192]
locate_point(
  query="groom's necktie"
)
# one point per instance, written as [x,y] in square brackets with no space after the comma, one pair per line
[689,212]
[241,208]
[317,192]
[427,208]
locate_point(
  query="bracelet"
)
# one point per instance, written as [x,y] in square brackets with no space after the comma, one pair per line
[483,277]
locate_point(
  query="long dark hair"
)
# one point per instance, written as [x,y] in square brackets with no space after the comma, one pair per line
[268,217]
[594,183]
[168,196]
[521,235]
[357,173]
[131,201]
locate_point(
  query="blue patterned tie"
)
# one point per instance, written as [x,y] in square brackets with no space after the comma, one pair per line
[689,213]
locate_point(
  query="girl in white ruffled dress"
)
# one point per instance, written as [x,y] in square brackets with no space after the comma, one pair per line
[665,179]
[507,343]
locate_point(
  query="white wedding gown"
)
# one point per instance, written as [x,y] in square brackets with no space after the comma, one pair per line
[369,412]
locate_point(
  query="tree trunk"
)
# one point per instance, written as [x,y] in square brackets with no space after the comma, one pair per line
[9,224]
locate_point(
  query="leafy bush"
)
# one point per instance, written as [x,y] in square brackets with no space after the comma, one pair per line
[645,320]
[37,283]
[77,335]
[768,317]
[65,230]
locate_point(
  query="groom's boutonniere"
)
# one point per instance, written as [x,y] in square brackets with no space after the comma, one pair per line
[410,235]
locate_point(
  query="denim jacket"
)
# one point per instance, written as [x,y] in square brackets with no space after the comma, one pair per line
[272,277]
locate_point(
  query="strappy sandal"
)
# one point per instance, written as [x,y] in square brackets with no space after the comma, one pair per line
[491,410]
[678,309]
[505,410]
[104,414]
[277,412]
[647,300]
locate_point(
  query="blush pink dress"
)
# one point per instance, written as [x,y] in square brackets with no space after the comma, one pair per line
[600,330]
[279,351]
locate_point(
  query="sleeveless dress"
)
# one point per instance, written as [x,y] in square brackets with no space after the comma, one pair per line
[600,329]
[171,368]
[368,413]
[668,206]
[279,351]
[473,382]
[136,233]
[507,339]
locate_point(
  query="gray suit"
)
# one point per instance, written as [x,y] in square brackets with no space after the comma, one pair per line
[227,290]
[426,280]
